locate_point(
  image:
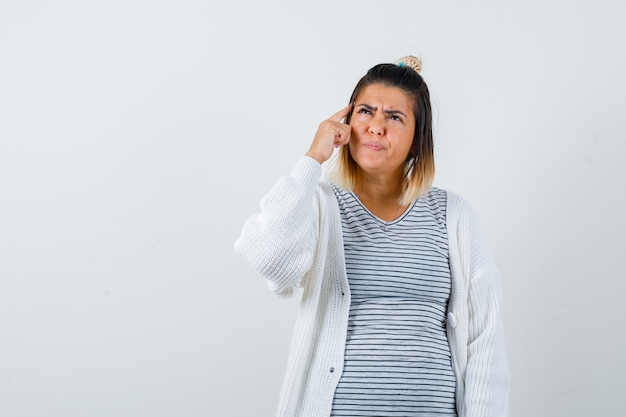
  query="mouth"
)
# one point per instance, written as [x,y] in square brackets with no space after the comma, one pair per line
[374,146]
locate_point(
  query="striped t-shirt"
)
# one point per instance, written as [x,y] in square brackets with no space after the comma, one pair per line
[397,358]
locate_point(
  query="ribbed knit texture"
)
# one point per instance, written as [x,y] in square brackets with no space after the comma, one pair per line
[296,241]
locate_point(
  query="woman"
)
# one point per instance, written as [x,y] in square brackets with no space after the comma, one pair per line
[400,312]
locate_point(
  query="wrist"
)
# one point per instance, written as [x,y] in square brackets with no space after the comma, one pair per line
[316,157]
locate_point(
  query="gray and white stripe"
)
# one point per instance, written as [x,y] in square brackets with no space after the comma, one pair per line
[397,359]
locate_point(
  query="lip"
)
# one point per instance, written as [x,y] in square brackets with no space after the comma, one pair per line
[373,146]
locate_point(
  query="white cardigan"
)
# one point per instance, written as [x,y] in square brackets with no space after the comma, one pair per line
[296,241]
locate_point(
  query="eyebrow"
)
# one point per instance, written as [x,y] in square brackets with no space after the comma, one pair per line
[391,112]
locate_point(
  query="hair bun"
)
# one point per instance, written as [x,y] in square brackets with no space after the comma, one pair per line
[411,62]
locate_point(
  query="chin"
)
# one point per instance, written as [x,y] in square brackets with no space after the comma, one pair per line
[370,165]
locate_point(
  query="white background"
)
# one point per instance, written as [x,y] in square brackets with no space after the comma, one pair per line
[137,136]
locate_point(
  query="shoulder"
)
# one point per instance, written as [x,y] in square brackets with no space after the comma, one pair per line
[326,189]
[326,197]
[460,213]
[436,194]
[456,204]
[455,201]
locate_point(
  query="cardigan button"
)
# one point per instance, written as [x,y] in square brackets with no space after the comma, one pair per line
[332,369]
[452,320]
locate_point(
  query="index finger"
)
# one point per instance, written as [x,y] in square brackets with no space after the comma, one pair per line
[337,117]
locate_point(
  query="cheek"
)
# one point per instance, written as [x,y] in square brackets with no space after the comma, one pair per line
[355,133]
[403,145]
[351,145]
[409,145]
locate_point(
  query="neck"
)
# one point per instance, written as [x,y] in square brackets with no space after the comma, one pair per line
[381,188]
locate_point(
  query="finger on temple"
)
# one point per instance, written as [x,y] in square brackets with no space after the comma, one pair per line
[341,113]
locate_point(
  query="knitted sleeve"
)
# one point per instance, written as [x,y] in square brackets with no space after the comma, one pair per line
[487,377]
[279,241]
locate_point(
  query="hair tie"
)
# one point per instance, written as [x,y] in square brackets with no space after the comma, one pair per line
[411,62]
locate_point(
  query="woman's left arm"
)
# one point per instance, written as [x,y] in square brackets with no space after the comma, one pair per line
[487,375]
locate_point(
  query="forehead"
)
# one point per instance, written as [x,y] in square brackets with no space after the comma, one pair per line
[388,97]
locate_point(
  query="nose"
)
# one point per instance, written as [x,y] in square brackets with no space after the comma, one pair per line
[376,127]
[375,130]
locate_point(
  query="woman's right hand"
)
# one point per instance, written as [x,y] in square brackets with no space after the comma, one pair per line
[331,134]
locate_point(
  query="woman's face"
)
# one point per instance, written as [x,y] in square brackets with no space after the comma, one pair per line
[383,126]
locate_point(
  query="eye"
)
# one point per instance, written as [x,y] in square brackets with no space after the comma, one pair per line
[363,110]
[396,117]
